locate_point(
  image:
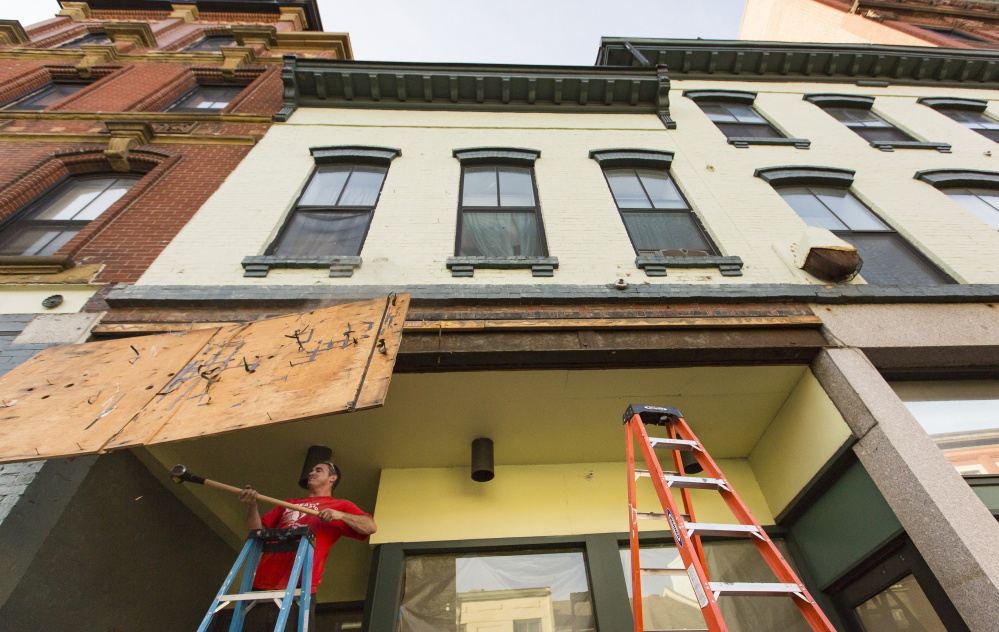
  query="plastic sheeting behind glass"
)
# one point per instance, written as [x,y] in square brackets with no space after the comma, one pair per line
[901,606]
[523,592]
[668,602]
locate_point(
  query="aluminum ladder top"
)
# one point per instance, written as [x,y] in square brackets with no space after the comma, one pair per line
[299,539]
[687,531]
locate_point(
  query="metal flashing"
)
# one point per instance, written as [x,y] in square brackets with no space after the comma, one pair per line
[794,174]
[354,154]
[651,158]
[497,155]
[954,103]
[957,178]
[840,100]
[728,96]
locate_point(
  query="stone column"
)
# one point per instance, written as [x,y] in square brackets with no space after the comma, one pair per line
[954,532]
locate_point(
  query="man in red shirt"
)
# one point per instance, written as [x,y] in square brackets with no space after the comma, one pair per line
[336,518]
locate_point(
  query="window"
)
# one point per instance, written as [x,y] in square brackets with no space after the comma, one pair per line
[955,34]
[867,124]
[49,222]
[736,120]
[522,591]
[655,213]
[888,259]
[96,37]
[333,214]
[983,203]
[205,99]
[45,96]
[499,214]
[669,601]
[211,43]
[967,112]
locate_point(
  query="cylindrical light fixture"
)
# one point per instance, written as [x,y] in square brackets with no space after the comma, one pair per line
[690,464]
[482,460]
[316,454]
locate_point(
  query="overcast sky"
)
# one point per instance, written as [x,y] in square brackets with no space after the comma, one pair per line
[509,31]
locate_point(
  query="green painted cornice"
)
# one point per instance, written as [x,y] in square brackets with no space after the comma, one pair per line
[865,64]
[489,87]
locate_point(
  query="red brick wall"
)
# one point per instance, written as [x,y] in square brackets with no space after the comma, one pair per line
[136,234]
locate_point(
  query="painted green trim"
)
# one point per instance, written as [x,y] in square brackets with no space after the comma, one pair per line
[609,594]
[827,475]
[384,589]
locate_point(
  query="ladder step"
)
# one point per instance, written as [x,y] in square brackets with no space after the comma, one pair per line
[261,595]
[753,589]
[693,482]
[730,530]
[674,444]
[640,473]
[652,515]
[663,571]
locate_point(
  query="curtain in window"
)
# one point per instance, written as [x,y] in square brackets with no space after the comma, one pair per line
[317,233]
[487,234]
[664,231]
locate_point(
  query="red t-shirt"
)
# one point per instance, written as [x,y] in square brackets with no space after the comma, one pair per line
[274,569]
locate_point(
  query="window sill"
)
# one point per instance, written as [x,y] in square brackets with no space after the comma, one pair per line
[259,266]
[35,264]
[466,266]
[943,148]
[655,266]
[744,142]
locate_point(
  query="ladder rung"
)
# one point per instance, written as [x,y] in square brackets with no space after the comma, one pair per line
[693,482]
[674,444]
[640,473]
[260,595]
[731,530]
[663,571]
[652,515]
[753,589]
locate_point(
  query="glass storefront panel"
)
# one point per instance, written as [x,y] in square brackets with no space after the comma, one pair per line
[668,601]
[903,606]
[961,416]
[541,591]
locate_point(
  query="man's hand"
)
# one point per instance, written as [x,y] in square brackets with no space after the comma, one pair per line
[328,515]
[248,496]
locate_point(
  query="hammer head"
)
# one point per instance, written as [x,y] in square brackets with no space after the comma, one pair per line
[179,474]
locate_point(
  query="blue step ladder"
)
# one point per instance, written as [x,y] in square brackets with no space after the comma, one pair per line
[299,539]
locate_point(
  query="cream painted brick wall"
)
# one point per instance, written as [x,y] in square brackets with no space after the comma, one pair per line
[811,21]
[413,230]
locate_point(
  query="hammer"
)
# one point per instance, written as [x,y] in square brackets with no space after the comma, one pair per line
[179,474]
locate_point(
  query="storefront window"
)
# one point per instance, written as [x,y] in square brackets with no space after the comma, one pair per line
[901,606]
[539,591]
[962,417]
[668,601]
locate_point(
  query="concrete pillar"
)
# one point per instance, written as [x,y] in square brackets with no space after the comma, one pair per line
[954,532]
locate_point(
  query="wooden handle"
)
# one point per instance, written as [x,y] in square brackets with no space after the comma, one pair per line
[273,501]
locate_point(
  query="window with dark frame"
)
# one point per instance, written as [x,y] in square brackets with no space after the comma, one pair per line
[47,223]
[498,213]
[888,258]
[655,213]
[983,203]
[205,98]
[738,120]
[867,124]
[977,121]
[96,37]
[46,96]
[211,43]
[332,216]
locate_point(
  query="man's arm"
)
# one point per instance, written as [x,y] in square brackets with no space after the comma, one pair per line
[363,524]
[249,498]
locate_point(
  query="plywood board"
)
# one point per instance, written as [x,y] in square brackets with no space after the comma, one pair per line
[278,370]
[68,400]
[84,399]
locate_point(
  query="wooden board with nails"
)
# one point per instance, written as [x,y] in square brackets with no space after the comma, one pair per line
[204,382]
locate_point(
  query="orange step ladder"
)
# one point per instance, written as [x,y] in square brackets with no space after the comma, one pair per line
[686,531]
